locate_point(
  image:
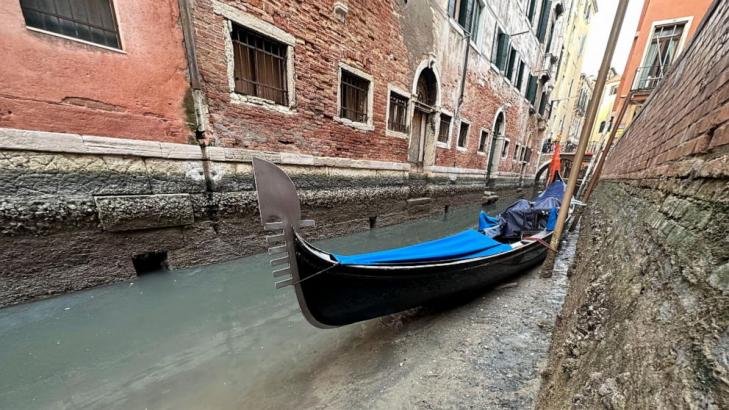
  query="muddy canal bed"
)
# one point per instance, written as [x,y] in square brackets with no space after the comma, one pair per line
[221,337]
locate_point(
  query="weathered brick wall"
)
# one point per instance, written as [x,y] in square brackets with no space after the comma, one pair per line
[385,39]
[646,320]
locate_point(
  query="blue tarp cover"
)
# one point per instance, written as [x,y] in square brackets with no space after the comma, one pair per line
[463,245]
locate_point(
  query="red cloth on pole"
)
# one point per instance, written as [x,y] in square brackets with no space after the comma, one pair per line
[554,165]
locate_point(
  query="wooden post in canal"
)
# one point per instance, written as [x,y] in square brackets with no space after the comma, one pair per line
[585,134]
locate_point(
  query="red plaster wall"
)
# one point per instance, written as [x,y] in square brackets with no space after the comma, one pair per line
[55,84]
[656,10]
[685,124]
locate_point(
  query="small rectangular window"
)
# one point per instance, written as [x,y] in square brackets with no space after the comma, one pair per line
[398,113]
[354,94]
[531,7]
[260,65]
[510,65]
[89,20]
[505,149]
[445,125]
[517,151]
[482,141]
[501,50]
[463,134]
[602,126]
[531,91]
[520,75]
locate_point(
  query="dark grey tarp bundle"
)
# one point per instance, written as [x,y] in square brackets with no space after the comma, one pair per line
[524,217]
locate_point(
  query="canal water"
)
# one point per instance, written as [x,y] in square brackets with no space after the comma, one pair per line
[216,336]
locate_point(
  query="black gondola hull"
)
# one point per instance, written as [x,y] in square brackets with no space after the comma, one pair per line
[337,295]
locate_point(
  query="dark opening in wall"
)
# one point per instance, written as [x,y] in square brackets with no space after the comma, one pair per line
[150,262]
[445,210]
[373,222]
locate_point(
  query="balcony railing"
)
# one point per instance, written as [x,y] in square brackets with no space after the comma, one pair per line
[648,77]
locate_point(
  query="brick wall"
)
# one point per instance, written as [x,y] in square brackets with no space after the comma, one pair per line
[685,124]
[385,39]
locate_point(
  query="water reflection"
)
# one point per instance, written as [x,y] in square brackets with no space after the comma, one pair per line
[215,337]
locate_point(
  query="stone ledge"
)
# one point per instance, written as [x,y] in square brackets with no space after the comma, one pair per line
[139,212]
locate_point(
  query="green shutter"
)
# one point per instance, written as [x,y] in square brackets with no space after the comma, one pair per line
[544,20]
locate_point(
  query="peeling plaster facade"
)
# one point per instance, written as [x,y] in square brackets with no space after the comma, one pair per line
[567,85]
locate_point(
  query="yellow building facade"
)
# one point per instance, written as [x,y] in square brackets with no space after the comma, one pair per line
[567,88]
[604,119]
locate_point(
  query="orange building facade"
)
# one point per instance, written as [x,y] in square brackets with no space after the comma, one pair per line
[664,30]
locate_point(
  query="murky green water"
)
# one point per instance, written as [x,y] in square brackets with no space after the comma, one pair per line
[209,337]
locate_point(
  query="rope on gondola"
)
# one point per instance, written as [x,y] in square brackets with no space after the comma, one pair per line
[315,274]
[541,242]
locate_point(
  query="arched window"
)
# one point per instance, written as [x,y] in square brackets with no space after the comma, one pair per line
[427,87]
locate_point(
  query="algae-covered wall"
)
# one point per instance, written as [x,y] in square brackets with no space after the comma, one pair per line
[646,319]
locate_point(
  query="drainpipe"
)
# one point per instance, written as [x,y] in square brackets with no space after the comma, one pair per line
[195,77]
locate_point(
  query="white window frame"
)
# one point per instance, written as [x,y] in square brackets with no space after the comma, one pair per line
[446,144]
[681,44]
[362,126]
[251,22]
[464,148]
[408,113]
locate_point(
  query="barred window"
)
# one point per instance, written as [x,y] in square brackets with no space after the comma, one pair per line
[88,20]
[482,141]
[260,66]
[353,92]
[463,134]
[445,125]
[398,113]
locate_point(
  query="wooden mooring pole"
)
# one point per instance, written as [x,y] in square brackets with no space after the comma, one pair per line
[585,134]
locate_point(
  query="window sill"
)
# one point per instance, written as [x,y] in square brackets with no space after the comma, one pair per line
[77,40]
[396,134]
[241,99]
[462,149]
[443,145]
[356,125]
[481,153]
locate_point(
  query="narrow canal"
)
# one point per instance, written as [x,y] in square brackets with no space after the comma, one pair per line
[221,337]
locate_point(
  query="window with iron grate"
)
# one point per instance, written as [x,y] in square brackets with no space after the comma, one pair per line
[445,125]
[354,93]
[398,113]
[260,66]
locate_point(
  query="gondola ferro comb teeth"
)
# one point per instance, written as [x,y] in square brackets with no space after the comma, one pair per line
[273,226]
[275,250]
[275,239]
[284,283]
[281,272]
[280,261]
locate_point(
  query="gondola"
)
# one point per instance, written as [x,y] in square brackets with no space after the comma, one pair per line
[336,290]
